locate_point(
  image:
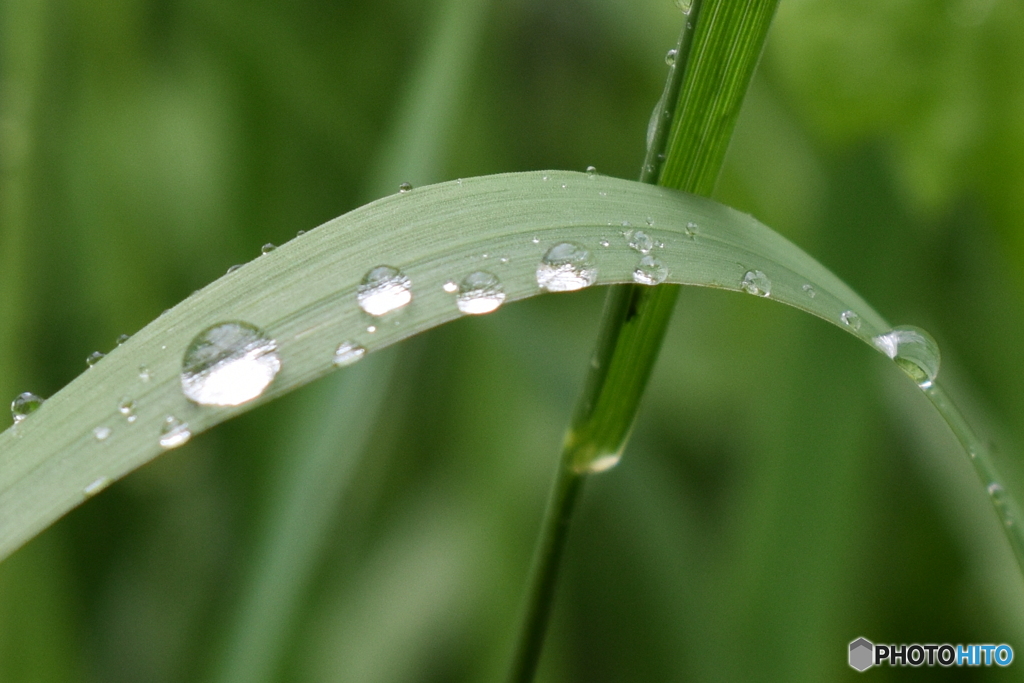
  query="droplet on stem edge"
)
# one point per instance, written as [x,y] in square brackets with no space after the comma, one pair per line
[914,350]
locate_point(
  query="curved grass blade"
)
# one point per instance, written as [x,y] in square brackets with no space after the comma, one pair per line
[303,294]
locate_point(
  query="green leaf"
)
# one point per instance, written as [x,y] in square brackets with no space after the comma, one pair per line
[303,294]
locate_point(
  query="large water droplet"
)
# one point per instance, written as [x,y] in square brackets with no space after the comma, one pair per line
[650,271]
[127,408]
[24,405]
[229,364]
[641,241]
[94,358]
[383,289]
[174,432]
[348,353]
[566,267]
[405,187]
[757,283]
[591,172]
[670,57]
[850,319]
[914,350]
[480,292]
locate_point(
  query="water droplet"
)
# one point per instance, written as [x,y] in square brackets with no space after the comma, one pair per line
[383,289]
[504,259]
[757,283]
[591,172]
[914,350]
[603,464]
[850,319]
[641,242]
[605,243]
[94,358]
[174,432]
[480,292]
[300,233]
[101,433]
[24,405]
[684,5]
[122,339]
[535,240]
[268,247]
[404,187]
[144,374]
[451,286]
[127,408]
[229,364]
[564,186]
[234,268]
[97,486]
[545,178]
[566,267]
[690,230]
[650,221]
[670,57]
[371,328]
[650,271]
[348,353]
[809,290]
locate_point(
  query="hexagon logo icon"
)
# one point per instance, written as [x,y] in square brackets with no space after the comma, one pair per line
[862,653]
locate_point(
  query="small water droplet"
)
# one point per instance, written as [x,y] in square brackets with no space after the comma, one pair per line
[127,408]
[914,350]
[650,271]
[404,187]
[174,432]
[94,358]
[383,289]
[229,364]
[480,292]
[591,172]
[757,283]
[24,405]
[545,178]
[809,290]
[300,233]
[670,57]
[535,240]
[234,268]
[450,286]
[691,230]
[97,486]
[347,353]
[504,259]
[144,374]
[566,267]
[101,433]
[605,243]
[564,186]
[268,247]
[603,464]
[371,328]
[641,241]
[650,221]
[122,339]
[850,319]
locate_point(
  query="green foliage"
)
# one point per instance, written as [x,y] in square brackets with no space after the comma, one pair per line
[784,484]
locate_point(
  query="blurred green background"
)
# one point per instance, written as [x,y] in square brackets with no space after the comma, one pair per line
[786,489]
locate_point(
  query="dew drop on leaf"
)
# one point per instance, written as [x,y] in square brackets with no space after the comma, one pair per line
[480,292]
[383,289]
[127,408]
[670,57]
[228,364]
[101,433]
[650,271]
[94,358]
[404,187]
[174,432]
[850,319]
[348,353]
[914,350]
[96,486]
[641,241]
[757,283]
[566,267]
[268,247]
[24,405]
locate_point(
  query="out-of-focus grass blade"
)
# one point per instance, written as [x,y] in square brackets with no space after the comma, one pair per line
[304,295]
